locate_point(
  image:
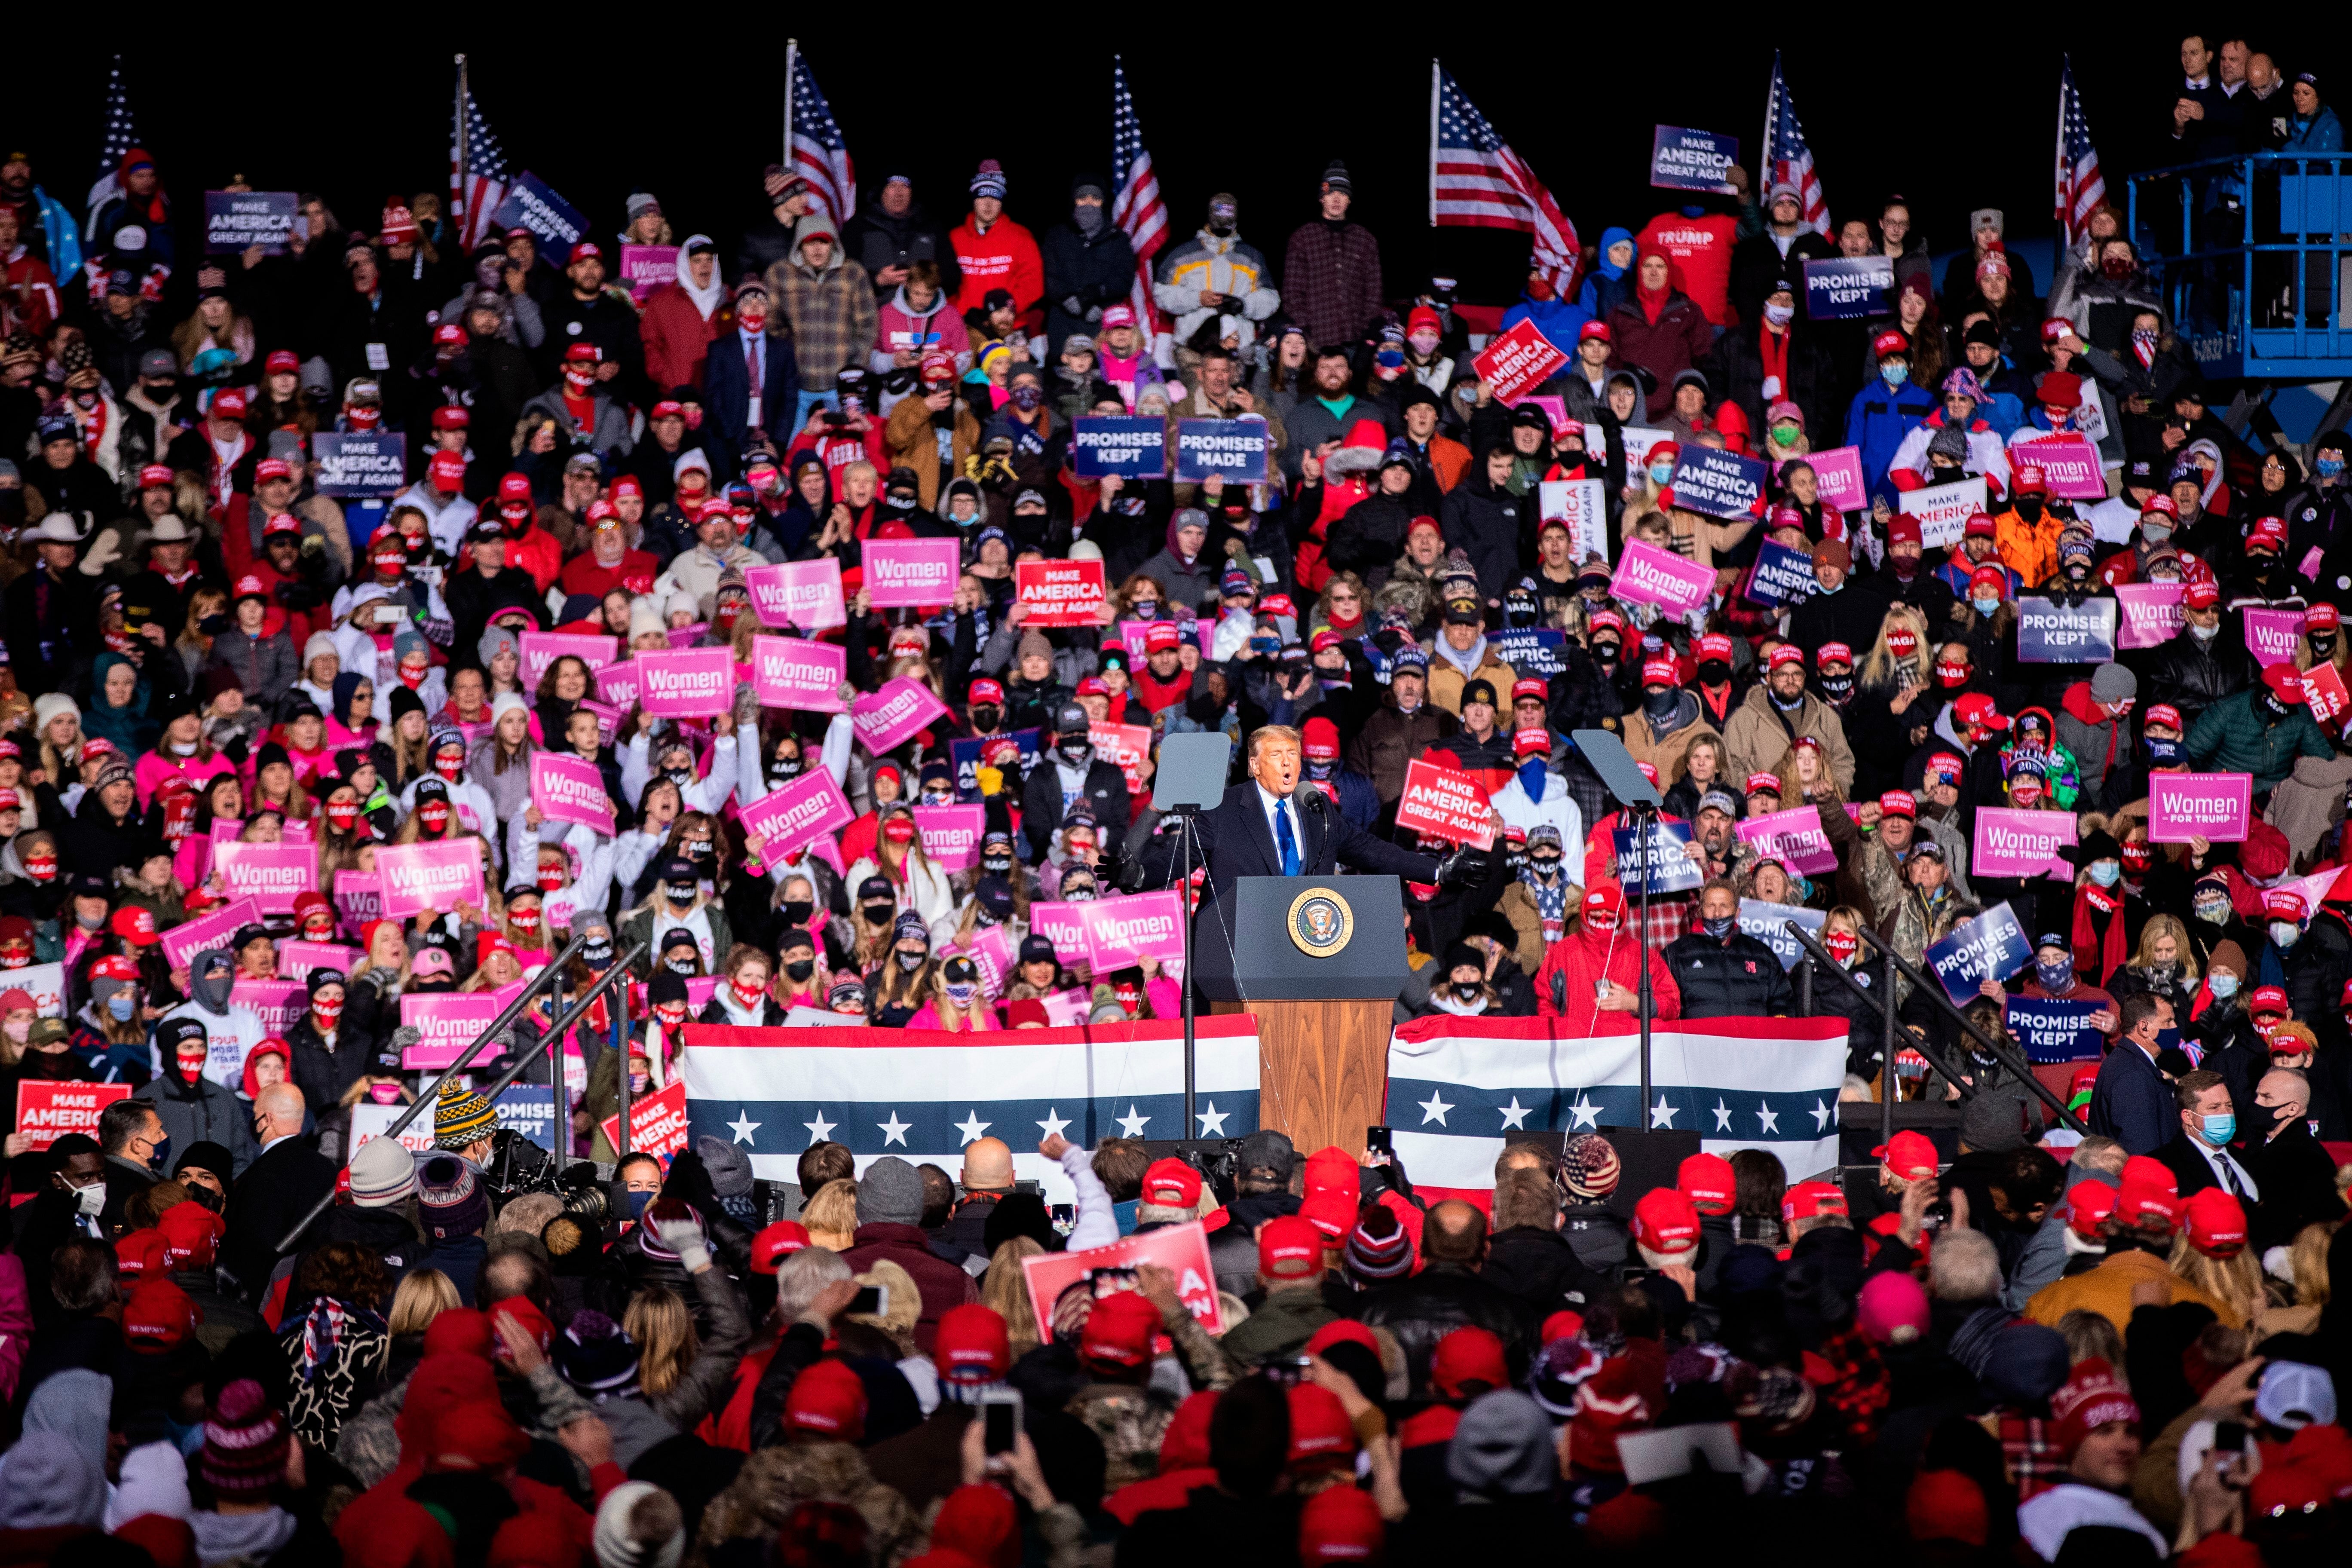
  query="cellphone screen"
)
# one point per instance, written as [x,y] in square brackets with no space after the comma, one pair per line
[1001,1426]
[871,1301]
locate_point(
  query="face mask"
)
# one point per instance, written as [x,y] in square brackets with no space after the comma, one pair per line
[1026,397]
[1083,893]
[19,1033]
[343,813]
[448,764]
[41,867]
[159,1156]
[682,778]
[2220,1129]
[2106,872]
[2328,467]
[550,879]
[679,892]
[1951,675]
[1842,945]
[1987,606]
[2135,858]
[90,1200]
[120,1006]
[1145,609]
[1786,704]
[637,1202]
[1075,752]
[2056,974]
[749,995]
[2212,911]
[2224,986]
[796,911]
[2030,508]
[911,962]
[1718,926]
[1662,704]
[2286,933]
[800,969]
[1605,653]
[877,913]
[2156,532]
[784,769]
[1779,315]
[1837,688]
[960,993]
[433,818]
[327,1014]
[1544,865]
[1466,989]
[679,966]
[898,831]
[1894,374]
[2204,634]
[89,922]
[1660,473]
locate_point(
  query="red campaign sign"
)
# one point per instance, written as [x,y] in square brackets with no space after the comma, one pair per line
[686,682]
[540,649]
[1181,1249]
[184,940]
[784,819]
[47,1112]
[805,594]
[2323,690]
[1445,803]
[1059,593]
[799,674]
[570,789]
[1129,745]
[657,1123]
[1516,360]
[910,572]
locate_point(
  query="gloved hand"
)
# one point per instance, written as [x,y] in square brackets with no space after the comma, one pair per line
[1463,868]
[683,1236]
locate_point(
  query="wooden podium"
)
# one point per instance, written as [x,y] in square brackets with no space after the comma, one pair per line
[1323,1018]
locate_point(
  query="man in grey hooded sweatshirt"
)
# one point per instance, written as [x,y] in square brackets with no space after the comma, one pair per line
[211,976]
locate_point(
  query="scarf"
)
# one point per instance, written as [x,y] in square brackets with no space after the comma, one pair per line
[1466,662]
[323,1330]
[1551,903]
[705,299]
[1774,348]
[2098,934]
[1652,301]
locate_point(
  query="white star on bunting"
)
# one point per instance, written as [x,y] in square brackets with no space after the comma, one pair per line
[894,1131]
[1131,1125]
[743,1126]
[820,1129]
[1053,1124]
[971,1126]
[1433,1109]
[1515,1114]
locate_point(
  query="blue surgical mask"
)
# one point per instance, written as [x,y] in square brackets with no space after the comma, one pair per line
[1986,607]
[2224,986]
[1660,473]
[2328,467]
[2105,873]
[1894,374]
[2220,1129]
[120,1005]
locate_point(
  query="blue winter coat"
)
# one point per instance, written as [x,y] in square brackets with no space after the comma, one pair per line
[1877,422]
[1558,319]
[2322,133]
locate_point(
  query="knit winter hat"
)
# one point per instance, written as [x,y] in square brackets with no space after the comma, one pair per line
[1589,1168]
[730,1167]
[384,1172]
[2092,1398]
[453,1202]
[461,1117]
[245,1442]
[617,1545]
[1378,1247]
[594,1354]
[890,1192]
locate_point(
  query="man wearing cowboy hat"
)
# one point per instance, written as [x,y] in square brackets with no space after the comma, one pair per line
[50,611]
[158,597]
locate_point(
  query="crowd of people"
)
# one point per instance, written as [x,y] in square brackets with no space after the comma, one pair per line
[2092,1341]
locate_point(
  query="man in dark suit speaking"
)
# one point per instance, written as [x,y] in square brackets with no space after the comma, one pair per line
[1266,826]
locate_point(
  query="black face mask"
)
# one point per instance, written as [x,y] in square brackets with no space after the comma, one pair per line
[1466,989]
[682,778]
[879,914]
[797,911]
[1546,865]
[1662,704]
[800,968]
[1837,688]
[2030,508]
[1075,752]
[1604,653]
[985,715]
[2322,643]
[213,625]
[996,865]
[679,966]
[1714,672]
[207,1197]
[695,848]
[678,892]
[2272,705]
[785,768]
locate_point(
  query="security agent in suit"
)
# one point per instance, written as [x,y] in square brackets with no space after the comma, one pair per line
[1268,827]
[1070,763]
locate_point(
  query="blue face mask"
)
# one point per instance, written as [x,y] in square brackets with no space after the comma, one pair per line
[1660,473]
[120,1005]
[2220,1129]
[2057,975]
[1894,374]
[158,1158]
[1533,775]
[2224,986]
[637,1202]
[2328,467]
[2105,873]
[1718,926]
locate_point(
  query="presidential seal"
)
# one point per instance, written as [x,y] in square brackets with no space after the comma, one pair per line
[1320,923]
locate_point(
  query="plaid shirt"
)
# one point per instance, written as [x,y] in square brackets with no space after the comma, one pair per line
[830,315]
[1331,280]
[2035,1461]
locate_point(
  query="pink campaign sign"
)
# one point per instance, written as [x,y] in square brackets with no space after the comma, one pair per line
[184,940]
[892,716]
[271,873]
[2274,636]
[951,834]
[2151,613]
[784,819]
[540,649]
[2070,466]
[686,683]
[991,951]
[1838,474]
[2217,807]
[795,673]
[570,789]
[359,898]
[297,958]
[1795,837]
[802,594]
[2021,843]
[279,1002]
[427,879]
[1135,634]
[608,719]
[688,635]
[1141,925]
[448,1023]
[910,572]
[1649,575]
[619,684]
[1063,925]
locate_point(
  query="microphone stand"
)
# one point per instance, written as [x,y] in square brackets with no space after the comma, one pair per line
[1646,827]
[1185,816]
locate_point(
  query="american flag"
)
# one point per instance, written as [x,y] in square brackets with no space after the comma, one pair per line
[1475,181]
[120,137]
[485,174]
[2080,186]
[1787,158]
[1135,203]
[818,152]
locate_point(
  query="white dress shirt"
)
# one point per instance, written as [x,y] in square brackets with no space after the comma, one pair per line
[1269,802]
[2218,1159]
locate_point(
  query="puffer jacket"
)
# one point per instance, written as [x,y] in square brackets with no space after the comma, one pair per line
[2193,676]
[1736,977]
[1224,265]
[1481,519]
[2092,733]
[2243,736]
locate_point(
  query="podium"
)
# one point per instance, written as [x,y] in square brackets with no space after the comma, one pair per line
[1317,961]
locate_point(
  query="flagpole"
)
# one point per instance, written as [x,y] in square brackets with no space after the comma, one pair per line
[792,84]
[1436,73]
[2064,169]
[1764,160]
[459,216]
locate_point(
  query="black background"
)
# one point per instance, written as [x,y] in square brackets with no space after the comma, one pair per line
[1954,112]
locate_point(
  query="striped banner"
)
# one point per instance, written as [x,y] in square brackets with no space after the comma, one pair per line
[1457,1085]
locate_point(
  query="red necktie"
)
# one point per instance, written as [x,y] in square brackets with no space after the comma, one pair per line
[752,365]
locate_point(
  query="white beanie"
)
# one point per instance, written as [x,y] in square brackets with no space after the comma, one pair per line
[154,1480]
[645,618]
[504,702]
[48,706]
[616,1547]
[321,645]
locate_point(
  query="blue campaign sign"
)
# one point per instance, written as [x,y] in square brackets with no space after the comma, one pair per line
[239,220]
[529,1109]
[1719,483]
[1102,446]
[360,462]
[1783,577]
[1670,868]
[1685,160]
[1234,449]
[964,757]
[2048,632]
[2055,1031]
[1771,924]
[1849,288]
[1530,651]
[533,204]
[1991,947]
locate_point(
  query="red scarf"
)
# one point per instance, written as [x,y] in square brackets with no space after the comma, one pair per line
[1651,300]
[1774,347]
[2097,957]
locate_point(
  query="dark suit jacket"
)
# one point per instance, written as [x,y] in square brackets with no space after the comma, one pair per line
[727,392]
[2192,1174]
[1237,841]
[1041,804]
[2299,1180]
[2132,1103]
[275,1191]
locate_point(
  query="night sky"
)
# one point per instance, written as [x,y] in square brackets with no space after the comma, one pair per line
[1953,114]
